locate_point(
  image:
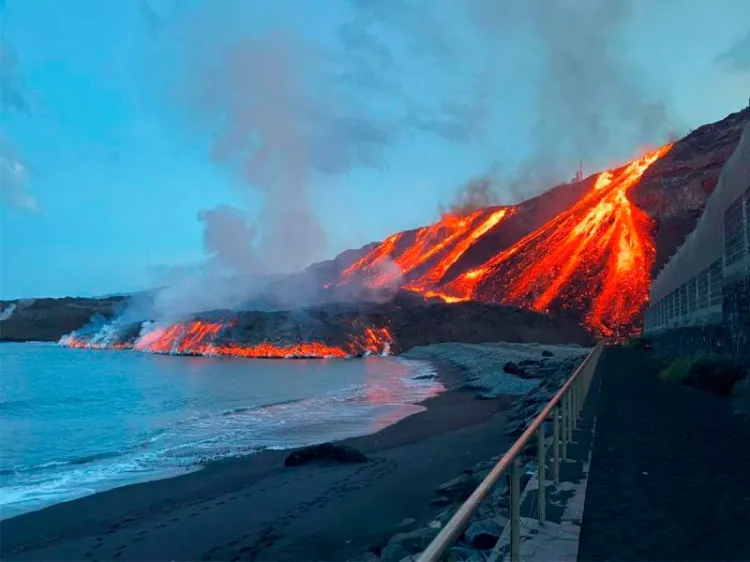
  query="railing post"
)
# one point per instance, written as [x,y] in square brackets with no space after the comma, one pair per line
[556,444]
[564,429]
[542,462]
[570,418]
[515,510]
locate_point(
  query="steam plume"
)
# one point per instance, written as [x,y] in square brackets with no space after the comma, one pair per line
[737,57]
[13,171]
[588,102]
[477,193]
[7,312]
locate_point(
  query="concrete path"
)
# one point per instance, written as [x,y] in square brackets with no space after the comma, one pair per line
[670,470]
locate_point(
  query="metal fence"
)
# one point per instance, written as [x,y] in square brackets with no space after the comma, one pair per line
[564,408]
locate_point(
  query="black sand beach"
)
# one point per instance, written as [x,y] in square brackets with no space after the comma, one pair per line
[253,508]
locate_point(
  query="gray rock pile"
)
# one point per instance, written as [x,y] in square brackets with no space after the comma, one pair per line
[541,371]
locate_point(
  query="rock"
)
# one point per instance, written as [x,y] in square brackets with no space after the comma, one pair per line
[402,545]
[440,501]
[529,362]
[515,429]
[424,377]
[513,368]
[531,448]
[500,496]
[462,554]
[325,451]
[459,488]
[366,557]
[407,525]
[484,534]
[547,353]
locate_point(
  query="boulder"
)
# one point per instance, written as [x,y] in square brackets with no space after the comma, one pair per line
[325,451]
[547,353]
[529,362]
[459,488]
[514,369]
[463,554]
[485,533]
[402,545]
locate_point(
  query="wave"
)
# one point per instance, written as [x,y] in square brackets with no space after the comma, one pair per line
[200,437]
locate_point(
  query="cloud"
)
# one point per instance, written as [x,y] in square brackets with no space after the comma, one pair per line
[737,57]
[14,179]
[13,170]
[589,103]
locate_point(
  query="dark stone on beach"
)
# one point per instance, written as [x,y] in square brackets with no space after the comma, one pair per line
[547,353]
[402,545]
[463,554]
[325,451]
[440,501]
[531,448]
[484,534]
[529,362]
[515,429]
[513,368]
[459,488]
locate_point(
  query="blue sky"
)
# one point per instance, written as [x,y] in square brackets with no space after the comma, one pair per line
[137,115]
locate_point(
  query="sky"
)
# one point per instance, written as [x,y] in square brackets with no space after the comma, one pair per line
[146,139]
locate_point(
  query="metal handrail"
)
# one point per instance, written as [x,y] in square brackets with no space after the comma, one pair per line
[569,402]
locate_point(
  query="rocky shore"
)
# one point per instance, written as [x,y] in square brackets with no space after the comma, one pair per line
[537,373]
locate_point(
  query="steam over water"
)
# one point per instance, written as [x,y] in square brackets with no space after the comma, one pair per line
[76,421]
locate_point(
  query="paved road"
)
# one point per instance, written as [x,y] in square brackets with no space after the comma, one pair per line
[670,471]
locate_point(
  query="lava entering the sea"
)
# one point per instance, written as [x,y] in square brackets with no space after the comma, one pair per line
[199,337]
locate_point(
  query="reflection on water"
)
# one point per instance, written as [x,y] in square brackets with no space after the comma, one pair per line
[77,421]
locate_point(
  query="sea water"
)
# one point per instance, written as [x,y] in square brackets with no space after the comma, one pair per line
[74,421]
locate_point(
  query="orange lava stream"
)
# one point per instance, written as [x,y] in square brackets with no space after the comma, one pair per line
[446,240]
[433,276]
[596,257]
[197,338]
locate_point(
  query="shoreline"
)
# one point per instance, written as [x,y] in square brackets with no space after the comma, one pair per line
[254,508]
[51,532]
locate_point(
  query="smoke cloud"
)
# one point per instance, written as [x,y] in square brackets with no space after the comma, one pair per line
[14,179]
[737,57]
[13,171]
[476,194]
[7,312]
[588,101]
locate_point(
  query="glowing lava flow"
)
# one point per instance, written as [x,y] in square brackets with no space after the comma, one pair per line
[594,258]
[445,241]
[199,337]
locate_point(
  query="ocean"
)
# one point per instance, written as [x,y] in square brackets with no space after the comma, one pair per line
[75,421]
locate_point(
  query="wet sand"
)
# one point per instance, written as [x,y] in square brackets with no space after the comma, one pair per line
[254,508]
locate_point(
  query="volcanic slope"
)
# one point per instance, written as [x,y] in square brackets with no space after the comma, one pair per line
[589,247]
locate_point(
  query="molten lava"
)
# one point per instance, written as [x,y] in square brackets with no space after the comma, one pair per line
[199,337]
[426,259]
[594,258]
